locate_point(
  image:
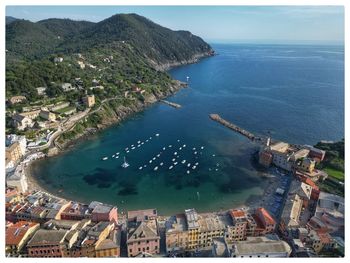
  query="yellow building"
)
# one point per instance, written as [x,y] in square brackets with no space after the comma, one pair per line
[89,100]
[47,115]
[13,153]
[308,165]
[17,236]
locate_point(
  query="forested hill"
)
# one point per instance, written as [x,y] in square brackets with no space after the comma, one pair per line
[27,40]
[120,52]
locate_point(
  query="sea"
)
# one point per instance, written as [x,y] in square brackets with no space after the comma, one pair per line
[294,93]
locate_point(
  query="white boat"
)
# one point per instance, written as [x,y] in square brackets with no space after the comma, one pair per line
[138,145]
[117,153]
[196,164]
[183,161]
[150,161]
[140,168]
[178,140]
[157,134]
[216,169]
[175,153]
[173,159]
[187,78]
[184,145]
[209,169]
[158,155]
[127,151]
[217,164]
[117,157]
[125,164]
[145,166]
[180,148]
[213,155]
[142,143]
[202,147]
[163,148]
[161,164]
[194,167]
[170,146]
[189,164]
[147,140]
[193,148]
[104,158]
[133,148]
[126,148]
[188,172]
[155,168]
[113,155]
[138,142]
[150,138]
[153,158]
[175,163]
[132,145]
[171,167]
[195,152]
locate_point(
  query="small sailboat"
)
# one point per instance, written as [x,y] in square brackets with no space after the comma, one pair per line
[104,158]
[194,148]
[157,134]
[196,164]
[175,163]
[117,157]
[125,164]
[126,148]
[150,161]
[138,145]
[117,153]
[178,140]
[173,159]
[142,143]
[170,146]
[158,155]
[113,155]
[145,166]
[140,168]
[155,168]
[180,148]
[187,78]
[138,142]
[132,145]
[194,167]
[188,172]
[161,164]
[213,155]
[189,164]
[183,161]
[147,140]
[195,152]
[202,147]
[184,145]
[175,153]
[127,151]
[163,148]
[216,169]
[171,167]
[133,148]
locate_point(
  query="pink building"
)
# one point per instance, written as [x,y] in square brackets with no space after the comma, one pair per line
[143,234]
[102,212]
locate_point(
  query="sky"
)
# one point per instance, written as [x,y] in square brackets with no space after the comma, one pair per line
[218,24]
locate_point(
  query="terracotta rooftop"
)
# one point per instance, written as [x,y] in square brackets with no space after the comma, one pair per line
[237,213]
[16,232]
[268,218]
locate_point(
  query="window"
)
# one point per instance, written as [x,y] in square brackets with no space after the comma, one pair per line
[156,247]
[130,250]
[139,249]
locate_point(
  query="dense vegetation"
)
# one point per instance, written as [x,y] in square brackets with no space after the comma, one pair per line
[333,164]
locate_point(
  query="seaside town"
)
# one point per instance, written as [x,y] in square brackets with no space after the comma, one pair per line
[294,218]
[106,73]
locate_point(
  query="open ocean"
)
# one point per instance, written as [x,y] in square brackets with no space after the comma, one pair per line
[295,92]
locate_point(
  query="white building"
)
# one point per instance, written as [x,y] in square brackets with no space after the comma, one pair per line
[12,138]
[41,91]
[18,179]
[261,247]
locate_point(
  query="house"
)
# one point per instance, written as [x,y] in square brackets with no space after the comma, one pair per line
[47,115]
[243,225]
[110,246]
[12,138]
[13,152]
[22,122]
[67,87]
[41,91]
[143,237]
[101,212]
[46,243]
[316,153]
[31,114]
[58,59]
[265,222]
[17,99]
[17,235]
[75,211]
[89,100]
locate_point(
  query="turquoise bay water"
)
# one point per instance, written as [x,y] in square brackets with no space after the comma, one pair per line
[295,92]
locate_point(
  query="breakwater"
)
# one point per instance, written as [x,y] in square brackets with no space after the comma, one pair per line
[172,104]
[216,117]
